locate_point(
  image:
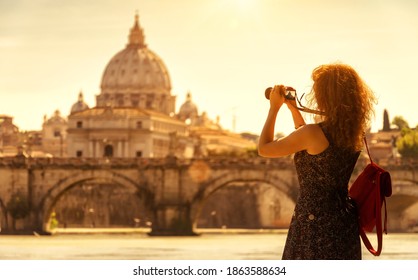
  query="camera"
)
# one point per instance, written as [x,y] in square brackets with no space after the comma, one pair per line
[290,93]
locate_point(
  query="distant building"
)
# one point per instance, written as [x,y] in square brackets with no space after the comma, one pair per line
[134,116]
[9,136]
[382,144]
[54,133]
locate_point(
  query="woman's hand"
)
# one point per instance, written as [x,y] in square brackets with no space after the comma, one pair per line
[291,104]
[277,97]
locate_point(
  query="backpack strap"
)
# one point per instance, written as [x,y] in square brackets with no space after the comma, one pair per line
[385,229]
[379,230]
[380,201]
[367,148]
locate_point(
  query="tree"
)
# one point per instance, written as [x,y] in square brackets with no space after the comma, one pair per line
[18,207]
[400,122]
[386,123]
[407,143]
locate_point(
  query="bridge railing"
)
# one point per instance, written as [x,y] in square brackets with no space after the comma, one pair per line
[214,162]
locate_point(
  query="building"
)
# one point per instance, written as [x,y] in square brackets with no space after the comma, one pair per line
[382,146]
[9,136]
[134,116]
[135,113]
[54,131]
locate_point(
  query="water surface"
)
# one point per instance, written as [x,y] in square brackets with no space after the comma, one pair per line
[207,246]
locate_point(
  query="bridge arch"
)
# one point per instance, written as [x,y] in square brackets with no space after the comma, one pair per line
[50,199]
[275,179]
[403,204]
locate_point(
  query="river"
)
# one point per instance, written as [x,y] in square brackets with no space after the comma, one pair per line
[230,245]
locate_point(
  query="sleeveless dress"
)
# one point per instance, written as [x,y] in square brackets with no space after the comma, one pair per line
[324,225]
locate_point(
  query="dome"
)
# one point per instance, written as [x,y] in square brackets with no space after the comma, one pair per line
[56,119]
[136,69]
[136,77]
[80,105]
[188,110]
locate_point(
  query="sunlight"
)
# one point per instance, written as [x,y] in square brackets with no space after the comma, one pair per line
[239,11]
[241,5]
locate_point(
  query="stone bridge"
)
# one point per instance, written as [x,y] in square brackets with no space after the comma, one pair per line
[174,190]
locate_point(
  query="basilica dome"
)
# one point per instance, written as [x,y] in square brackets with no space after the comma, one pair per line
[136,77]
[136,69]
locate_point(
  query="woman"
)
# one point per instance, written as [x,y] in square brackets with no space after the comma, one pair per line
[324,223]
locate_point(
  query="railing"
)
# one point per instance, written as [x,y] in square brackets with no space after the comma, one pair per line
[213,162]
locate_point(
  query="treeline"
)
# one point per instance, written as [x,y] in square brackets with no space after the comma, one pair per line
[407,142]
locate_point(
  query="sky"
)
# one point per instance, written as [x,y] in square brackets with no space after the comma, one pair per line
[225,52]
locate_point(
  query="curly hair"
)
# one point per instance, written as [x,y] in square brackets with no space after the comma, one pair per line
[346,100]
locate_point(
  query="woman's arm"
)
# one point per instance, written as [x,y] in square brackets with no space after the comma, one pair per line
[308,137]
[267,134]
[296,115]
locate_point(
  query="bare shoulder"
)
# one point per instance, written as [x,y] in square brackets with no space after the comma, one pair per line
[308,137]
[319,141]
[312,128]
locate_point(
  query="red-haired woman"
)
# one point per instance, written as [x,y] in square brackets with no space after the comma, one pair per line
[324,224]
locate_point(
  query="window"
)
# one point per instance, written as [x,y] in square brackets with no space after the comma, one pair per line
[108,151]
[138,124]
[57,133]
[135,100]
[138,153]
[79,153]
[79,124]
[119,99]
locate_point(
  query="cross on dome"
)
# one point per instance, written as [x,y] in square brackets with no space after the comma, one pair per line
[136,36]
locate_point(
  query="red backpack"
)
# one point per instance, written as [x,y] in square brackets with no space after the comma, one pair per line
[369,191]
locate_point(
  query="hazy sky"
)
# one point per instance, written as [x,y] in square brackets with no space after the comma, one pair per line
[226,52]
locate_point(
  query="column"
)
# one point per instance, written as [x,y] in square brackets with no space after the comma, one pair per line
[97,151]
[91,147]
[119,152]
[127,151]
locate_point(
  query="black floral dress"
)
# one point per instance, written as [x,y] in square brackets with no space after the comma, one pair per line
[324,223]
